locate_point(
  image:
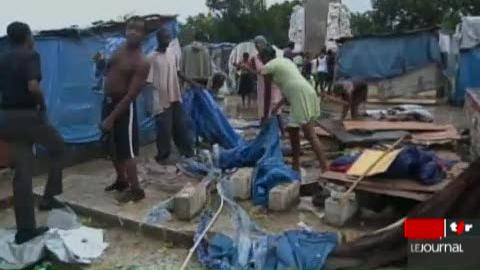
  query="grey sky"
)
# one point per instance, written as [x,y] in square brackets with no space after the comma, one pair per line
[52,14]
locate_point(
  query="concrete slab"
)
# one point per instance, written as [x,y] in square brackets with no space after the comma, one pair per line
[83,191]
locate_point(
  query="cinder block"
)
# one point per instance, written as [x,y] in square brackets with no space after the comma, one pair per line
[284,196]
[339,211]
[240,184]
[190,201]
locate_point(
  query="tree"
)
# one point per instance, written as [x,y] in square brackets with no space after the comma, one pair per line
[395,16]
[200,23]
[240,20]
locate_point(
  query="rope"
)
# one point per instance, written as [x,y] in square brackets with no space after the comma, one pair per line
[202,235]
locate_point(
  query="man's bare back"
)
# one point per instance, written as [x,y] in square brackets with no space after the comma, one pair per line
[122,68]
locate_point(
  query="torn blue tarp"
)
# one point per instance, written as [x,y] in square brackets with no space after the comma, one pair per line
[265,154]
[207,120]
[412,162]
[420,164]
[381,57]
[468,74]
[248,247]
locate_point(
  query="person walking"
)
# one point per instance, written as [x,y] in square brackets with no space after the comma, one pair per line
[322,71]
[23,124]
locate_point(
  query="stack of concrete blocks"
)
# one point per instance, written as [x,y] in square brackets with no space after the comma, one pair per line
[282,197]
[190,201]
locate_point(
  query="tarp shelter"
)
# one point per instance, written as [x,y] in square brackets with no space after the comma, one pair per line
[74,108]
[468,72]
[220,53]
[379,57]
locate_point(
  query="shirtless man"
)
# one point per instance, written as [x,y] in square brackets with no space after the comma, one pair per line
[126,73]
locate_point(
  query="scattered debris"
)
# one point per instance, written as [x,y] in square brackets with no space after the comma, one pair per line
[75,245]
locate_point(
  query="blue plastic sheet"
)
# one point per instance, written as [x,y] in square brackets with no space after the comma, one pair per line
[69,79]
[423,165]
[413,162]
[265,154]
[468,74]
[377,58]
[207,120]
[251,248]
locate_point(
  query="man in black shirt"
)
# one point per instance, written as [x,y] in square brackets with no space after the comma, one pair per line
[23,123]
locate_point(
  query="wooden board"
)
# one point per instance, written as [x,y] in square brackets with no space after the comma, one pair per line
[451,134]
[385,125]
[421,197]
[322,132]
[337,129]
[387,184]
[368,158]
[404,101]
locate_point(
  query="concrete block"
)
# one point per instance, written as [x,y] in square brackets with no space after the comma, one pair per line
[190,201]
[240,184]
[284,196]
[338,210]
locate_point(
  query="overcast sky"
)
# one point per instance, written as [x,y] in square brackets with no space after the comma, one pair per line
[52,14]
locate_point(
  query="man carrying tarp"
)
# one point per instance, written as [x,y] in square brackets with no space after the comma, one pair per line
[170,116]
[23,123]
[126,73]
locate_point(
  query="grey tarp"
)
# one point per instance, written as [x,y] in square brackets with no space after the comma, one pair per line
[67,240]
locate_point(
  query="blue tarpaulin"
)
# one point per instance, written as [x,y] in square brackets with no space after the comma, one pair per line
[380,57]
[69,79]
[468,74]
[264,153]
[207,120]
[249,247]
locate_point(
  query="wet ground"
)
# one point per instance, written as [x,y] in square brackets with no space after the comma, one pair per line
[133,249]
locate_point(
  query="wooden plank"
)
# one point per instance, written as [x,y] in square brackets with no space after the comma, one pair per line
[337,129]
[416,196]
[369,157]
[386,125]
[388,184]
[424,137]
[322,132]
[421,197]
[404,101]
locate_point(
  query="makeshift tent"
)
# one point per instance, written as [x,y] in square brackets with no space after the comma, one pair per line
[469,60]
[69,76]
[220,53]
[378,57]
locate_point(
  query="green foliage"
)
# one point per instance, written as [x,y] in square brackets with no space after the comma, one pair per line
[395,16]
[240,20]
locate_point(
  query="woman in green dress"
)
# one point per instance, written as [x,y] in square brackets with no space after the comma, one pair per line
[303,100]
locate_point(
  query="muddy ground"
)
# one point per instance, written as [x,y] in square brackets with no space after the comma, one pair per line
[131,250]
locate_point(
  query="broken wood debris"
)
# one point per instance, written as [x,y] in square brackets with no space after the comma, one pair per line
[402,188]
[386,125]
